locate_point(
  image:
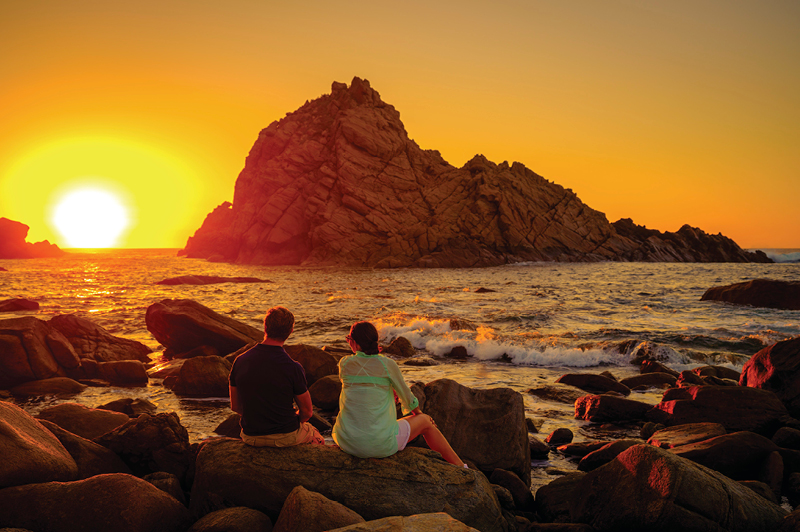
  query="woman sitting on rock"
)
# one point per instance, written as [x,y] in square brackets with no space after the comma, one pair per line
[367,425]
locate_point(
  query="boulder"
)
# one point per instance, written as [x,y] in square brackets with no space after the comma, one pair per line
[423,362]
[593,383]
[15,305]
[88,423]
[582,448]
[787,437]
[30,453]
[653,366]
[520,492]
[52,386]
[605,454]
[776,368]
[209,279]
[230,427]
[237,519]
[559,394]
[539,449]
[32,350]
[769,293]
[118,502]
[762,489]
[400,347]
[149,444]
[458,352]
[131,407]
[689,378]
[325,392]
[180,325]
[124,372]
[484,427]
[168,483]
[685,434]
[649,380]
[559,436]
[92,341]
[739,455]
[228,472]
[14,246]
[203,377]
[605,408]
[433,522]
[316,362]
[167,369]
[307,511]
[92,459]
[553,500]
[720,372]
[734,407]
[655,490]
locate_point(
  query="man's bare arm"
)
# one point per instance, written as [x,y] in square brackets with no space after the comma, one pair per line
[304,404]
[236,406]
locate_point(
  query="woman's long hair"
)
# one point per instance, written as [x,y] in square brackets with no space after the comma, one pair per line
[366,336]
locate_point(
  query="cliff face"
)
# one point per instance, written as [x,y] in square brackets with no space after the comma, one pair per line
[339,182]
[14,246]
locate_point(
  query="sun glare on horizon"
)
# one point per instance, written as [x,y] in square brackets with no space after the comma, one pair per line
[91,218]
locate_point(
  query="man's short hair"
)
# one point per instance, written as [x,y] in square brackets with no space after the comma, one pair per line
[278,323]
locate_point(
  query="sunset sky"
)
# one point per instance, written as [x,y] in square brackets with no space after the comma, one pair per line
[666,112]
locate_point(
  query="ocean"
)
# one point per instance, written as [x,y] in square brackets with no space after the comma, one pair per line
[532,323]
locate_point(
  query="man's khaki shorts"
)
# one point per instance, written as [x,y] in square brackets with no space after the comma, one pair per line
[305,434]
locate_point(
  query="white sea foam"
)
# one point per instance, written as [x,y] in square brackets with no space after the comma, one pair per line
[783,255]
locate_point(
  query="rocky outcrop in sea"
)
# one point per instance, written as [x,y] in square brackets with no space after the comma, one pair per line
[13,245]
[339,182]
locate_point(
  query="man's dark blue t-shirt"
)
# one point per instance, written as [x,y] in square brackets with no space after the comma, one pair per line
[267,380]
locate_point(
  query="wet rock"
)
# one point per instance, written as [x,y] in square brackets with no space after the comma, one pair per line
[421,362]
[149,444]
[649,380]
[118,502]
[652,366]
[769,293]
[553,500]
[411,481]
[180,325]
[88,423]
[739,455]
[532,425]
[90,340]
[124,372]
[559,437]
[167,369]
[30,453]
[168,483]
[776,368]
[787,437]
[231,426]
[735,408]
[458,352]
[539,449]
[15,305]
[52,386]
[520,492]
[400,347]
[593,383]
[609,408]
[131,407]
[316,362]
[581,448]
[605,454]
[650,352]
[720,372]
[685,434]
[32,350]
[325,392]
[13,245]
[689,378]
[238,519]
[650,428]
[483,290]
[91,459]
[460,324]
[308,511]
[559,394]
[432,522]
[659,491]
[209,279]
[203,377]
[484,427]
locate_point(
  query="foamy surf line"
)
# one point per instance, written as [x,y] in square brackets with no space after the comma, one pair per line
[438,338]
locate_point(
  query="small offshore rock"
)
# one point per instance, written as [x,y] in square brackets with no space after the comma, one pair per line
[209,279]
[458,352]
[52,386]
[559,437]
[399,347]
[768,293]
[14,305]
[421,362]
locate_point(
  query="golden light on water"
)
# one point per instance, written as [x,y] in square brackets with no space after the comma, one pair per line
[91,218]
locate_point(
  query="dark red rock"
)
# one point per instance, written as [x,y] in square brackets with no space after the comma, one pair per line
[86,422]
[400,347]
[92,341]
[14,305]
[720,372]
[769,293]
[124,372]
[605,454]
[685,434]
[325,392]
[203,377]
[13,245]
[609,408]
[32,350]
[593,383]
[92,459]
[739,455]
[649,380]
[653,366]
[209,279]
[559,437]
[458,352]
[776,368]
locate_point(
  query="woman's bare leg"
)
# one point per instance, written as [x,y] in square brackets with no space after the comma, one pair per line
[423,424]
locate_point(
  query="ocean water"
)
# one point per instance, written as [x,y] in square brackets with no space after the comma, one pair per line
[535,322]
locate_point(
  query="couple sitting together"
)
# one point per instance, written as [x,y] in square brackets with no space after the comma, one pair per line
[265,384]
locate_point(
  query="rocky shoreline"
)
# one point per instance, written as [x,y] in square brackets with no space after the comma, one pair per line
[720,451]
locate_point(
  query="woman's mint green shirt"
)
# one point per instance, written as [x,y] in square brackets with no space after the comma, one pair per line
[367,423]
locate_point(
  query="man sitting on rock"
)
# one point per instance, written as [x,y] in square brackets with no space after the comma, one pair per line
[265,383]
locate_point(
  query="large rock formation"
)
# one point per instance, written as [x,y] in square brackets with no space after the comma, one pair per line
[340,182]
[14,246]
[769,293]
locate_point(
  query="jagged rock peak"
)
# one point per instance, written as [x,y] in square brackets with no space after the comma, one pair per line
[339,182]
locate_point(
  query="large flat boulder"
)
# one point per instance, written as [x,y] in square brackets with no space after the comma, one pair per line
[203,377]
[92,459]
[230,473]
[485,427]
[769,293]
[739,455]
[776,368]
[647,488]
[32,350]
[115,502]
[30,453]
[609,408]
[86,422]
[90,340]
[181,325]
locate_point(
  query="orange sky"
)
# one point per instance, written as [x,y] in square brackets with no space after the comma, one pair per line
[685,111]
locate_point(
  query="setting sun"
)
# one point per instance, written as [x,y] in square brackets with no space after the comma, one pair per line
[90,218]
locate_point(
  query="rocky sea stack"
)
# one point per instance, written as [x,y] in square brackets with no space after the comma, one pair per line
[339,182]
[13,245]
